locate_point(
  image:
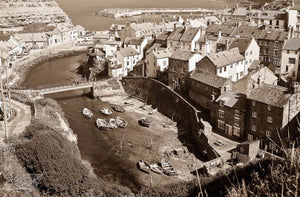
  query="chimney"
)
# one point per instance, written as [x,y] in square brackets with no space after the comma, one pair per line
[227,44]
[295,88]
[219,35]
[236,6]
[174,25]
[250,7]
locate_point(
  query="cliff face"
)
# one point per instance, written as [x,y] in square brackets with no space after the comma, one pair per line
[20,13]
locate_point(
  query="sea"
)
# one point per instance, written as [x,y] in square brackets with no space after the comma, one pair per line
[82,12]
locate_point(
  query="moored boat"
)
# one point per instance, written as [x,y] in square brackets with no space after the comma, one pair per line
[144,122]
[113,124]
[147,107]
[88,113]
[102,124]
[121,123]
[153,111]
[143,166]
[118,108]
[156,168]
[167,167]
[106,111]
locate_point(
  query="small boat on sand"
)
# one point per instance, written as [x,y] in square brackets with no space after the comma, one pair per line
[167,167]
[144,122]
[121,123]
[118,108]
[153,111]
[156,168]
[128,102]
[102,124]
[146,107]
[88,113]
[113,124]
[143,166]
[106,111]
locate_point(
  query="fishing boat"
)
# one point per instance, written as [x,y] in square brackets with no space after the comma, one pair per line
[102,124]
[147,107]
[88,113]
[156,168]
[118,108]
[113,124]
[167,167]
[143,166]
[128,102]
[121,123]
[153,111]
[106,111]
[144,122]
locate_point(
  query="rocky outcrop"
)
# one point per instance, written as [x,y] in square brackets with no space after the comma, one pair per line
[20,13]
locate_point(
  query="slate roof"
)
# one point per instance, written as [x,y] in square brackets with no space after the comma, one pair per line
[155,46]
[162,53]
[226,57]
[270,94]
[129,51]
[134,41]
[241,43]
[214,29]
[292,44]
[189,34]
[209,79]
[233,100]
[176,34]
[182,55]
[163,36]
[272,34]
[240,11]
[29,37]
[246,32]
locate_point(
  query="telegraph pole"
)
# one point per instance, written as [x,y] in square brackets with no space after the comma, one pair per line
[8,89]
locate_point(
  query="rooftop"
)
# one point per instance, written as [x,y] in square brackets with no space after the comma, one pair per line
[272,34]
[128,51]
[163,36]
[214,29]
[182,55]
[189,34]
[134,41]
[233,100]
[270,94]
[240,11]
[246,32]
[241,43]
[176,34]
[209,79]
[163,53]
[226,57]
[292,44]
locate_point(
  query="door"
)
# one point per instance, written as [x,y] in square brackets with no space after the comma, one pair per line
[228,130]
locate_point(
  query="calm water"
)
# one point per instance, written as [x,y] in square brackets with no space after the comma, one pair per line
[82,11]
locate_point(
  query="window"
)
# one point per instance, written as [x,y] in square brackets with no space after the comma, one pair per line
[221,114]
[164,63]
[288,51]
[237,112]
[253,103]
[253,128]
[221,103]
[292,60]
[220,124]
[268,133]
[236,121]
[269,107]
[236,131]
[270,22]
[269,119]
[294,73]
[250,52]
[254,114]
[225,69]
[250,137]
[287,68]
[220,70]
[277,23]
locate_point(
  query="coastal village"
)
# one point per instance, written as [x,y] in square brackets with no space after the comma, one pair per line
[229,78]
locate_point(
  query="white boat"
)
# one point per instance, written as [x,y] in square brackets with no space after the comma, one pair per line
[121,123]
[106,111]
[102,124]
[153,111]
[113,124]
[147,107]
[156,168]
[88,113]
[128,102]
[168,168]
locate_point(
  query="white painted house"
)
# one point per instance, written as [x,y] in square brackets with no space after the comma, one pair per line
[229,64]
[128,58]
[157,61]
[110,48]
[138,44]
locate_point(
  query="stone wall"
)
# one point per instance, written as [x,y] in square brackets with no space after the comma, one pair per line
[173,106]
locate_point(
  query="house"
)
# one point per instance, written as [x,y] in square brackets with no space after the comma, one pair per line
[162,38]
[214,29]
[270,109]
[198,23]
[138,44]
[239,12]
[115,69]
[294,19]
[181,64]
[246,31]
[248,48]
[270,19]
[147,30]
[111,47]
[96,52]
[33,40]
[69,33]
[228,64]
[290,59]
[100,37]
[13,48]
[157,61]
[54,37]
[271,43]
[128,58]
[183,39]
[258,74]
[205,88]
[229,115]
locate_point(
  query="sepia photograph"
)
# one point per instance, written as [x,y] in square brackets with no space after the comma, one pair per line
[149,98]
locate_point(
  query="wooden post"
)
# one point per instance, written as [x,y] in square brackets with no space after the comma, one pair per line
[4,108]
[8,88]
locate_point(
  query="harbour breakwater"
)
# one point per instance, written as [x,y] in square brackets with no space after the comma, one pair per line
[172,105]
